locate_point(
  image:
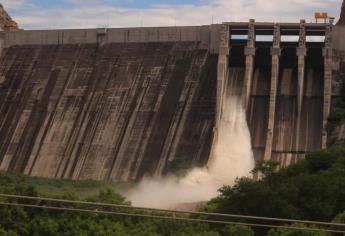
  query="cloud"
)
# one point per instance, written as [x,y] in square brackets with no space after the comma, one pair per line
[13,4]
[98,13]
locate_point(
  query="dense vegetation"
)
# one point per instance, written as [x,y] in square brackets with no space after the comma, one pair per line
[312,189]
[27,221]
[179,166]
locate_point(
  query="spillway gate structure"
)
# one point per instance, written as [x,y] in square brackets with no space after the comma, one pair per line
[286,69]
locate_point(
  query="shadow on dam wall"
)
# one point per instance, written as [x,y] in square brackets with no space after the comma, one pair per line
[117,111]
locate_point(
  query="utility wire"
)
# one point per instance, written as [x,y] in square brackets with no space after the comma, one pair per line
[168,217]
[173,211]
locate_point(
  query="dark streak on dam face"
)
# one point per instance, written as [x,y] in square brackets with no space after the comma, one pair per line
[113,112]
[121,103]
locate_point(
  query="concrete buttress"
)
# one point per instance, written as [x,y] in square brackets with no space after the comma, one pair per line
[250,54]
[223,67]
[301,54]
[275,53]
[328,57]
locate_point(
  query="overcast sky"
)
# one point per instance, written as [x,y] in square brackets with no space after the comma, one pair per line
[48,14]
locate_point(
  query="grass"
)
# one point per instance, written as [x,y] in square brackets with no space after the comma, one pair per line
[82,189]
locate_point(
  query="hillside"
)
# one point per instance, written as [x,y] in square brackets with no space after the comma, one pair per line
[6,22]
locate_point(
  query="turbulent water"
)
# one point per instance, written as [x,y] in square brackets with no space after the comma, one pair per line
[232,157]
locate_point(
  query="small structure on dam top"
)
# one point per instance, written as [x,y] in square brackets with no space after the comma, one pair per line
[123,103]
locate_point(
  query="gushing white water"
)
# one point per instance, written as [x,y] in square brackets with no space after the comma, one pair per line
[232,157]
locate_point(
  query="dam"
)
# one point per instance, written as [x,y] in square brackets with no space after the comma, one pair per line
[119,104]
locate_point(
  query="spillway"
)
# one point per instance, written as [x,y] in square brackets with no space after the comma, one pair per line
[231,158]
[286,84]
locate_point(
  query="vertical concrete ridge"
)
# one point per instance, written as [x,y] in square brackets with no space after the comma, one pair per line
[301,54]
[222,74]
[328,74]
[250,54]
[275,52]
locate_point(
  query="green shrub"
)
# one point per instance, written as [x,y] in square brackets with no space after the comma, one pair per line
[179,166]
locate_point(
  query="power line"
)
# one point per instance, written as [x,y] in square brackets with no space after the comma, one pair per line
[173,211]
[168,217]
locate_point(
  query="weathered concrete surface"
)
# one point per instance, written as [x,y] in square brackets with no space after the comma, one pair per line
[275,53]
[338,42]
[342,15]
[116,111]
[208,35]
[337,132]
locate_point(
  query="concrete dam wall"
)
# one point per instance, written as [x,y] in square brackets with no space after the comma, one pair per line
[116,111]
[122,103]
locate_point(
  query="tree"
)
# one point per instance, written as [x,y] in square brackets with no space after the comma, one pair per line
[145,229]
[236,230]
[312,189]
[250,197]
[15,218]
[44,226]
[3,232]
[108,196]
[265,168]
[297,232]
[106,227]
[339,219]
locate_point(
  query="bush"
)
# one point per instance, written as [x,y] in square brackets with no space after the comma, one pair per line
[313,189]
[179,166]
[297,232]
[236,230]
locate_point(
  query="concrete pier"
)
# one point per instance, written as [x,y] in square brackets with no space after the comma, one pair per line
[301,54]
[250,54]
[275,53]
[223,67]
[328,59]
